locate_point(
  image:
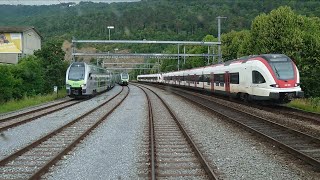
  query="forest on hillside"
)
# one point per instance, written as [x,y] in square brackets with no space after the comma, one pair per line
[147,19]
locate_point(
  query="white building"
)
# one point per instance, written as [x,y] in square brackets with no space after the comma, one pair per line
[16,42]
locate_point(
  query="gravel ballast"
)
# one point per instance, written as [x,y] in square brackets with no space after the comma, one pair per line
[235,153]
[111,151]
[15,138]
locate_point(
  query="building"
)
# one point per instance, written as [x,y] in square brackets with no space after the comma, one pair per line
[16,42]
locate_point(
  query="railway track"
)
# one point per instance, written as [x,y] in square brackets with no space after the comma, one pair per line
[293,113]
[34,160]
[16,120]
[299,144]
[277,109]
[173,154]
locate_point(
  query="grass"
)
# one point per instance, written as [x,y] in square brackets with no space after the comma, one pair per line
[310,104]
[14,105]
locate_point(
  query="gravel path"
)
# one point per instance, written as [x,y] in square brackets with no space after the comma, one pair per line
[112,150]
[18,137]
[234,152]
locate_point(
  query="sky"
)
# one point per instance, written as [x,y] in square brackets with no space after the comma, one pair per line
[48,2]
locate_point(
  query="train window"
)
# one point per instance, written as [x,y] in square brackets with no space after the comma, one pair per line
[207,78]
[257,78]
[283,70]
[76,73]
[219,77]
[234,78]
[201,78]
[216,77]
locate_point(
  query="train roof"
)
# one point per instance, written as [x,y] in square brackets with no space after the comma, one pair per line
[244,59]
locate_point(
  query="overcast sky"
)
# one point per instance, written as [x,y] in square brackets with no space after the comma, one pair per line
[48,2]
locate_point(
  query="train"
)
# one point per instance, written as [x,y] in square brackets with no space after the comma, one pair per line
[85,80]
[122,79]
[266,77]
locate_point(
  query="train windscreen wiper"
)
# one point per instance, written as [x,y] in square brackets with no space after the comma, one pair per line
[276,70]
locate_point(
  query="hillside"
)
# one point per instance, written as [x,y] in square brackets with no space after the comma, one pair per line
[147,19]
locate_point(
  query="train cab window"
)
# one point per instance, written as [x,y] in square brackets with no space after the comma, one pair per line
[257,78]
[234,78]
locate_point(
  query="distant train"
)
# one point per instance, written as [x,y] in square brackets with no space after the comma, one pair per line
[123,79]
[83,80]
[266,77]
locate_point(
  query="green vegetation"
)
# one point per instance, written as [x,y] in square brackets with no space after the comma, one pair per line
[282,31]
[146,19]
[311,104]
[14,105]
[34,75]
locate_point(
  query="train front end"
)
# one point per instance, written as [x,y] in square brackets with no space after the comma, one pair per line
[286,77]
[76,80]
[124,79]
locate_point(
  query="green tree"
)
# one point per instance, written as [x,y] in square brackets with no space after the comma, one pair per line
[277,32]
[236,44]
[31,73]
[52,60]
[9,85]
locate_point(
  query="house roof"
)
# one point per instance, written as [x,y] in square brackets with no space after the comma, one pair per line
[18,29]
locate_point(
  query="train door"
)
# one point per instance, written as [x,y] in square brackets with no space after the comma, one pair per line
[227,82]
[258,82]
[247,79]
[212,81]
[195,80]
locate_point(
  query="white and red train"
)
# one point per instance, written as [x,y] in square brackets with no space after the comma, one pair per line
[266,77]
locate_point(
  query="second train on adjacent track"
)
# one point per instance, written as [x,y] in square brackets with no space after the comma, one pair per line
[266,77]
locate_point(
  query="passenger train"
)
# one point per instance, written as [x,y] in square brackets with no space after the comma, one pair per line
[266,77]
[122,79]
[83,80]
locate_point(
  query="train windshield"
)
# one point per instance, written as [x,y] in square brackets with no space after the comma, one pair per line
[282,66]
[124,76]
[76,72]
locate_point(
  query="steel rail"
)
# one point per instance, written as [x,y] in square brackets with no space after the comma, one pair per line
[38,171]
[11,122]
[295,113]
[151,137]
[32,111]
[282,109]
[209,171]
[302,150]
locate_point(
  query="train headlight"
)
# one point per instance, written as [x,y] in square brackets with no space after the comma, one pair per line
[274,85]
[296,84]
[83,85]
[68,86]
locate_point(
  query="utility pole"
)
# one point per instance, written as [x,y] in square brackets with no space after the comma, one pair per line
[219,37]
[110,27]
